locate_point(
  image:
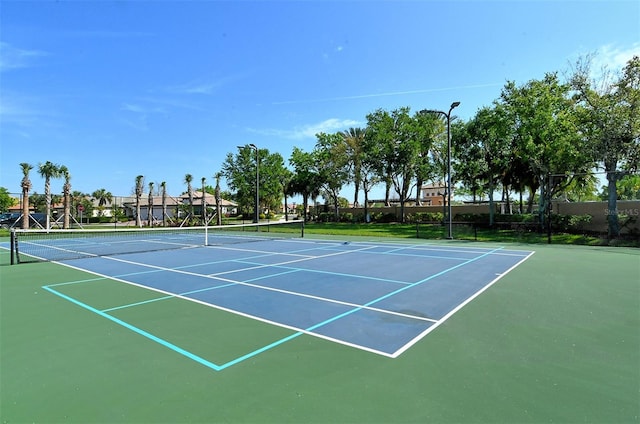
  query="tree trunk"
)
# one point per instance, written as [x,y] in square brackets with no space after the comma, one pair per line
[305,205]
[47,194]
[387,193]
[491,208]
[612,205]
[25,209]
[138,218]
[521,204]
[355,195]
[419,183]
[67,206]
[366,203]
[218,205]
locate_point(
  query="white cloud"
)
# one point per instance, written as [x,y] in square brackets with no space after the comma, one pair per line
[206,86]
[14,58]
[614,57]
[137,108]
[309,131]
[608,60]
[388,94]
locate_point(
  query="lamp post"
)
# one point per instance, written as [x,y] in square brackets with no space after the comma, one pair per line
[448,116]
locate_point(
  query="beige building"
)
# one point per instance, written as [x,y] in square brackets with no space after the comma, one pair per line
[434,194]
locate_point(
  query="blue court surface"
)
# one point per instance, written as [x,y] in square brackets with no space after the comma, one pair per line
[381,297]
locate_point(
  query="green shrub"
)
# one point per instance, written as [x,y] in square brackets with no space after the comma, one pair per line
[577,223]
[346,217]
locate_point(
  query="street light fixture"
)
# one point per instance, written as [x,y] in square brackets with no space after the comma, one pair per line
[256,213]
[448,116]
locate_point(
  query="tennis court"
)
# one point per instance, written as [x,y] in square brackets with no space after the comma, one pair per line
[378,297]
[268,328]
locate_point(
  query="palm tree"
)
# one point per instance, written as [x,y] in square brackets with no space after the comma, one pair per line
[139,188]
[150,205]
[103,197]
[26,188]
[66,192]
[163,186]
[47,171]
[354,140]
[204,203]
[187,179]
[218,199]
[285,179]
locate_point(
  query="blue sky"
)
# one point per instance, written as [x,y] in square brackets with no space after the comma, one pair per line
[116,89]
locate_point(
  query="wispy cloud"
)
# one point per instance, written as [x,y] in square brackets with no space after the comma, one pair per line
[387,94]
[14,58]
[137,108]
[22,115]
[98,33]
[138,115]
[608,60]
[310,130]
[615,57]
[139,111]
[206,86]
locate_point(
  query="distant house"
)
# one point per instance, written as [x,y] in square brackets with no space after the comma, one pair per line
[177,207]
[434,194]
[227,206]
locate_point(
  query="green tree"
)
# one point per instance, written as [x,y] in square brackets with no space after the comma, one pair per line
[369,168]
[400,143]
[469,165]
[331,163]
[240,172]
[306,181]
[26,188]
[47,171]
[627,188]
[489,139]
[546,135]
[6,200]
[611,123]
[381,145]
[39,202]
[285,181]
[353,140]
[428,128]
[272,168]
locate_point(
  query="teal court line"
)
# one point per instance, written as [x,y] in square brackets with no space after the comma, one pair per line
[256,352]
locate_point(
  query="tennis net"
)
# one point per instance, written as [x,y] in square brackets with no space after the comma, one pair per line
[58,245]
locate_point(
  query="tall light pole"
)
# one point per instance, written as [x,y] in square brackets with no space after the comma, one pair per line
[448,116]
[256,217]
[256,213]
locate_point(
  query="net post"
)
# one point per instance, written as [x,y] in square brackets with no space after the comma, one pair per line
[302,229]
[206,234]
[12,246]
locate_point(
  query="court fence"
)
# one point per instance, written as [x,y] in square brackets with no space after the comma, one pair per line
[584,217]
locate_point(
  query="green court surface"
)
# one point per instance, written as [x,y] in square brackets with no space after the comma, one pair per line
[557,339]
